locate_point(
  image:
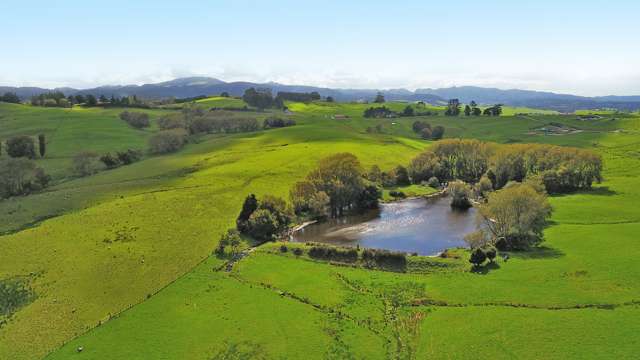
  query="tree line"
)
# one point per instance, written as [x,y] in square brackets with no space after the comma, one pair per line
[19,174]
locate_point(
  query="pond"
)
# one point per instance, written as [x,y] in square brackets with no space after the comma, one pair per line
[424,226]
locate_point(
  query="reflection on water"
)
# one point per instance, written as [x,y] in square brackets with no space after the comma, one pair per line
[425,226]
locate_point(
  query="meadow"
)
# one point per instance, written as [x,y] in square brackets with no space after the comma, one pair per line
[120,262]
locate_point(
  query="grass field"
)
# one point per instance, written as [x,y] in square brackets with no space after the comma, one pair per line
[115,240]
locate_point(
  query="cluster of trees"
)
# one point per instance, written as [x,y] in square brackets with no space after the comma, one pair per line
[298,97]
[120,158]
[231,239]
[214,123]
[10,97]
[58,99]
[373,258]
[51,99]
[137,120]
[335,186]
[472,109]
[264,219]
[384,258]
[260,98]
[21,176]
[560,169]
[513,218]
[378,112]
[426,132]
[379,99]
[397,176]
[167,141]
[276,122]
[332,253]
[480,254]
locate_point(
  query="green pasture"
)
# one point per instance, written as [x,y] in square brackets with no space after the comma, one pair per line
[120,261]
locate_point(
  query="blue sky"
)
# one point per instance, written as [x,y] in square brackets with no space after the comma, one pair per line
[585,47]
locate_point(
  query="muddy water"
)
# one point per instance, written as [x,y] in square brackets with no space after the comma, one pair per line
[425,226]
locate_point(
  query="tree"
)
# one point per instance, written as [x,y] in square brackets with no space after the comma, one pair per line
[263,225]
[230,238]
[85,163]
[42,145]
[80,99]
[21,146]
[10,97]
[467,110]
[167,141]
[459,192]
[261,98]
[453,108]
[437,133]
[20,176]
[408,111]
[340,177]
[516,214]
[477,257]
[110,161]
[426,133]
[91,100]
[248,207]
[103,99]
[418,126]
[491,253]
[375,174]
[379,99]
[402,176]
[329,99]
[224,94]
[137,120]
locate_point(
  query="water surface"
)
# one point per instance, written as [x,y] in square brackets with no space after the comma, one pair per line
[425,226]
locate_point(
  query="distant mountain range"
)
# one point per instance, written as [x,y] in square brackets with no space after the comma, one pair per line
[195,86]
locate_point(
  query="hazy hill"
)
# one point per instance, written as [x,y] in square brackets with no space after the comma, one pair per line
[195,86]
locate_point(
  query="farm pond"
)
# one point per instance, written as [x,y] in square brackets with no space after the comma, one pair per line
[424,226]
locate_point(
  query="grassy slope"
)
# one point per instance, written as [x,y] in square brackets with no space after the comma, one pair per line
[179,215]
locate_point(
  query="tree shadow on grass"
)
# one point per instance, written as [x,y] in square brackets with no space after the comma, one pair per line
[486,268]
[540,252]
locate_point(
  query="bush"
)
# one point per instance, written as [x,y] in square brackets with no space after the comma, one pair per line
[459,192]
[433,182]
[275,122]
[426,133]
[21,146]
[171,122]
[331,253]
[491,253]
[21,177]
[297,252]
[437,132]
[397,194]
[110,161]
[167,141]
[477,257]
[129,156]
[85,163]
[137,120]
[283,248]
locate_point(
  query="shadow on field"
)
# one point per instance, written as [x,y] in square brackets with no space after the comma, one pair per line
[486,268]
[541,252]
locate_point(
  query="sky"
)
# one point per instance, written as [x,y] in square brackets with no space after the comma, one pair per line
[587,47]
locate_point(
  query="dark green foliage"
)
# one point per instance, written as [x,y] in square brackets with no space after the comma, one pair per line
[21,146]
[260,98]
[467,110]
[331,253]
[453,108]
[297,96]
[459,192]
[408,111]
[378,112]
[385,259]
[419,125]
[397,194]
[329,99]
[283,248]
[14,294]
[213,123]
[437,133]
[248,207]
[402,175]
[129,156]
[110,161]
[10,97]
[495,110]
[276,122]
[379,98]
[477,257]
[369,197]
[50,99]
[491,253]
[224,94]
[433,182]
[426,134]
[297,252]
[91,100]
[230,238]
[42,145]
[137,120]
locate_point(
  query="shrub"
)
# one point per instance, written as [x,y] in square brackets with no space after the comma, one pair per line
[21,146]
[459,192]
[491,253]
[331,253]
[85,163]
[437,133]
[426,133]
[167,141]
[110,161]
[263,225]
[397,194]
[283,248]
[402,176]
[137,120]
[297,252]
[129,156]
[20,177]
[433,182]
[171,122]
[477,257]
